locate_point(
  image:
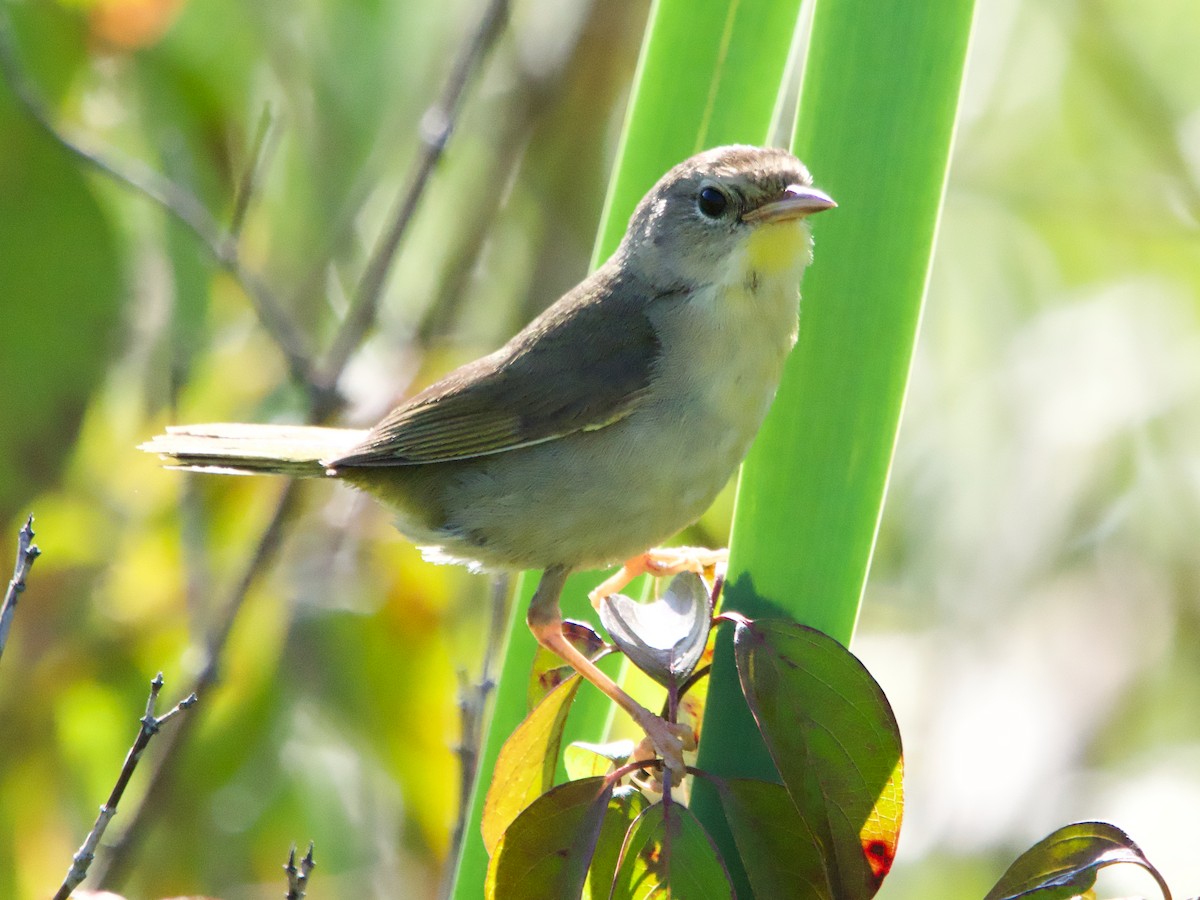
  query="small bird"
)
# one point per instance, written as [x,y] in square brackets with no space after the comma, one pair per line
[607,424]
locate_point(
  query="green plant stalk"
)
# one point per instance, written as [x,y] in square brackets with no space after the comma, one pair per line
[708,75]
[875,125]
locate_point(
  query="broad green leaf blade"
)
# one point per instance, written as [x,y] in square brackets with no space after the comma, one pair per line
[623,809]
[811,492]
[546,850]
[525,767]
[833,737]
[782,856]
[1064,864]
[876,117]
[668,854]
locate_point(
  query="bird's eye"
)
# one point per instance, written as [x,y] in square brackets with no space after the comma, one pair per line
[712,202]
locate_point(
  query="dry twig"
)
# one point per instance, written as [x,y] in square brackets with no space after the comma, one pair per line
[82,860]
[298,875]
[472,703]
[27,552]
[113,866]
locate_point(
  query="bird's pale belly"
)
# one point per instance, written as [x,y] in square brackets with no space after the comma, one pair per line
[536,507]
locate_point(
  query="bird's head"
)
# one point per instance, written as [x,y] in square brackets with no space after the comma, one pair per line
[721,211]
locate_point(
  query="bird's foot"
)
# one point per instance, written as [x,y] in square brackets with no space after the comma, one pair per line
[658,562]
[667,741]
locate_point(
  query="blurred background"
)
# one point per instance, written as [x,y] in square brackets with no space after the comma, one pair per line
[1034,606]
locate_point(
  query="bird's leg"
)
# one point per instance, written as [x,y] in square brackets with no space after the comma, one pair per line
[545,621]
[661,561]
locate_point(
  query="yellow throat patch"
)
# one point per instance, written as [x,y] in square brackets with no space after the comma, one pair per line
[775,248]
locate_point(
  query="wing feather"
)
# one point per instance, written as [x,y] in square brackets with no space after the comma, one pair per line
[572,369]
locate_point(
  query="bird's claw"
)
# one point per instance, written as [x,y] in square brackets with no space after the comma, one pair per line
[668,741]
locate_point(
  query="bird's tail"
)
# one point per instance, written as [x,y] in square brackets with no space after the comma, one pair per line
[237,449]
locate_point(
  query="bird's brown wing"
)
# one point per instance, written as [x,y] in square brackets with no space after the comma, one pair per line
[581,365]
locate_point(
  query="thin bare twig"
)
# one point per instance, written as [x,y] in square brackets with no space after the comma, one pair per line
[436,127]
[173,198]
[150,726]
[298,875]
[27,552]
[113,867]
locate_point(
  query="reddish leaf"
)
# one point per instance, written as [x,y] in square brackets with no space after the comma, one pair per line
[549,671]
[547,849]
[834,739]
[1064,864]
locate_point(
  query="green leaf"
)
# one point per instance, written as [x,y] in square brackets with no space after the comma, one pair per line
[525,767]
[546,850]
[623,809]
[832,735]
[1064,864]
[669,854]
[782,856]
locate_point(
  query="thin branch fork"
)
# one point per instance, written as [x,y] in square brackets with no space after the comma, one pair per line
[297,876]
[112,868]
[150,725]
[27,552]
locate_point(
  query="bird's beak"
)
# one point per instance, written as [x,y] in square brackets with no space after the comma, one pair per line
[798,201]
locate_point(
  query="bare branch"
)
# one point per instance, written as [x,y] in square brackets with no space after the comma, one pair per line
[298,875]
[436,127]
[150,725]
[27,552]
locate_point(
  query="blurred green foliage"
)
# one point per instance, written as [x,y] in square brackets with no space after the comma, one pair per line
[1032,612]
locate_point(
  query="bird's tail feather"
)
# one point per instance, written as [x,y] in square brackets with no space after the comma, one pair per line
[239,449]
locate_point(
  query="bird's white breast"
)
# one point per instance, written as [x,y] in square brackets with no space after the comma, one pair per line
[725,348]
